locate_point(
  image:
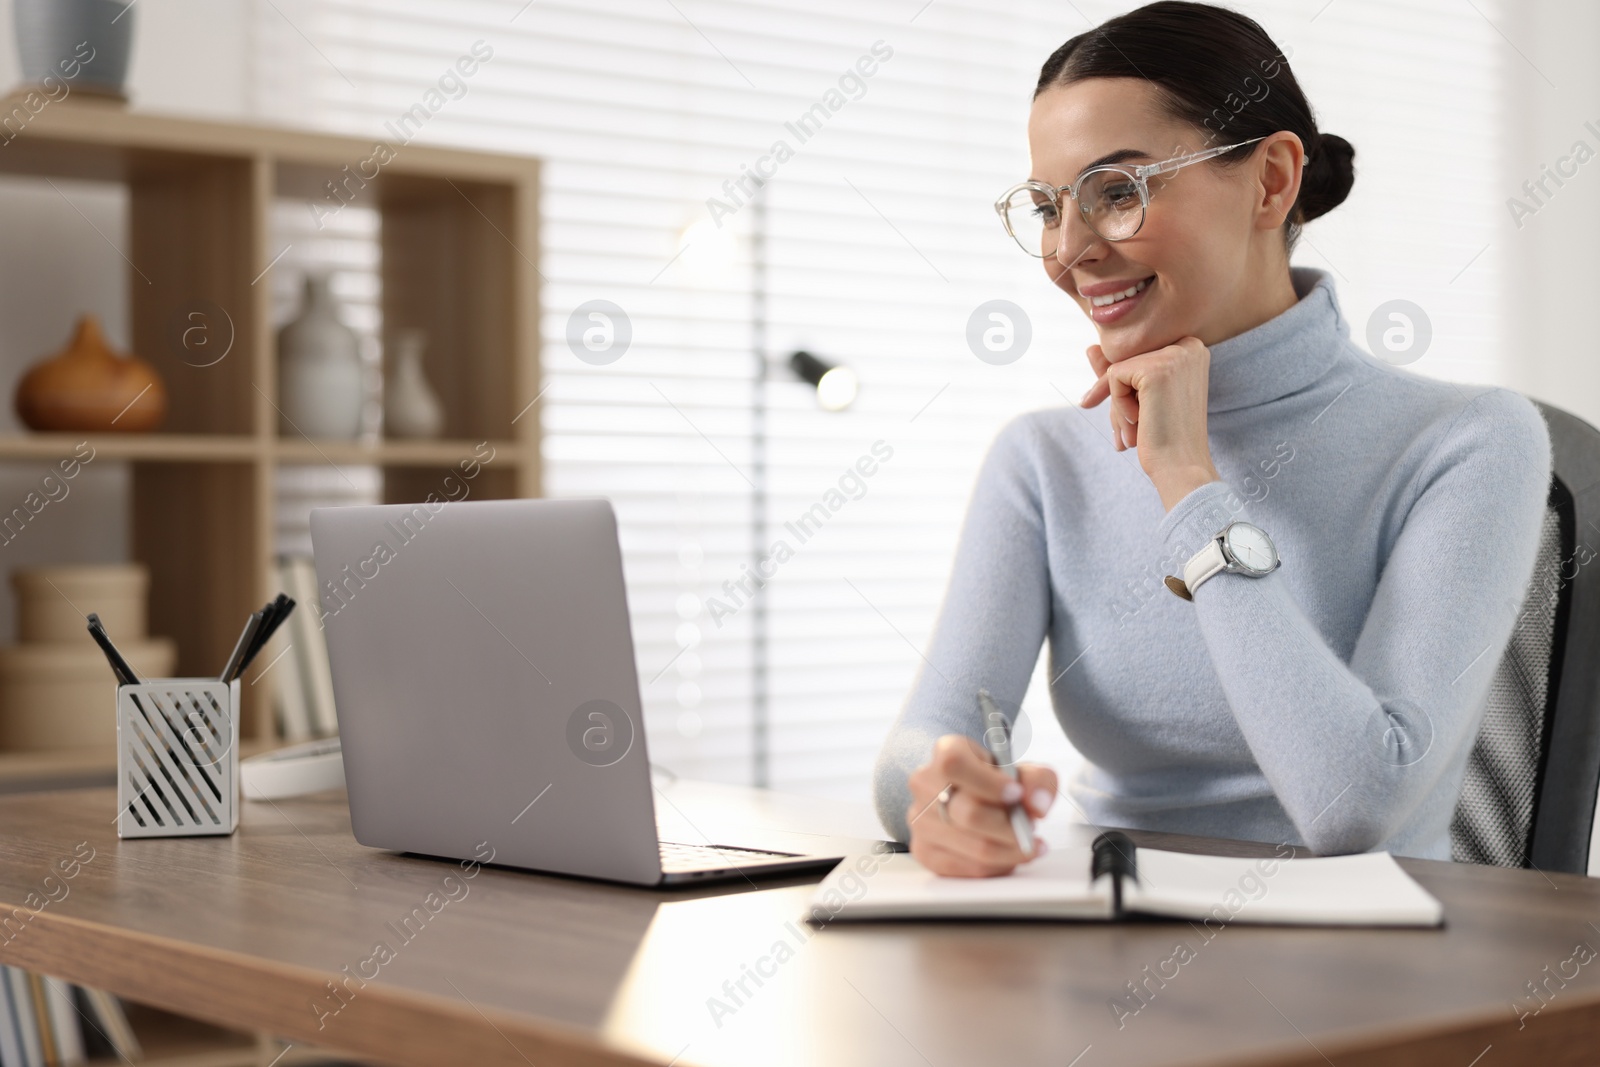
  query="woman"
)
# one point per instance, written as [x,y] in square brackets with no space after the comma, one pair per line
[1331,701]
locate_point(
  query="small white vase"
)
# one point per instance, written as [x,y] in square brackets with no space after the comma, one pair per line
[320,386]
[410,407]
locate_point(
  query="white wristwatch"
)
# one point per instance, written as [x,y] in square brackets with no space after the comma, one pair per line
[1241,548]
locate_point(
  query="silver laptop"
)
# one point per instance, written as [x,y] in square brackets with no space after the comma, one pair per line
[487,697]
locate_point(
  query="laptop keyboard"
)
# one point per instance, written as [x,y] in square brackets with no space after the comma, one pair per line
[676,856]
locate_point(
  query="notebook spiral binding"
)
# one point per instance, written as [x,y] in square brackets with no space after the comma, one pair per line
[1114,854]
[177,757]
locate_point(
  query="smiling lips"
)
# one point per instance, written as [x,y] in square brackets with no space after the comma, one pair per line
[1111,301]
[1112,298]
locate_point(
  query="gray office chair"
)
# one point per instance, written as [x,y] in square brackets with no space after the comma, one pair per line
[1528,799]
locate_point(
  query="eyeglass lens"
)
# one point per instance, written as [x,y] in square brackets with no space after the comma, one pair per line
[1109,201]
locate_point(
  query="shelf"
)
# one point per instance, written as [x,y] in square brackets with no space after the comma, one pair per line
[104,140]
[179,447]
[393,453]
[456,233]
[35,770]
[171,1040]
[235,448]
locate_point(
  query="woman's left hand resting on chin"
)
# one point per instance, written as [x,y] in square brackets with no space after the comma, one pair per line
[1158,405]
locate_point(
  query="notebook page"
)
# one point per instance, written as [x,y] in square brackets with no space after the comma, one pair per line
[1368,889]
[897,886]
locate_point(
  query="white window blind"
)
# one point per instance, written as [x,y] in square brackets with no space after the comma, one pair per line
[875,243]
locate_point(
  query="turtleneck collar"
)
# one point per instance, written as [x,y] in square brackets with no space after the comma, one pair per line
[1286,353]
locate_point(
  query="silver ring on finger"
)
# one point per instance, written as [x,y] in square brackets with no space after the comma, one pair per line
[944,802]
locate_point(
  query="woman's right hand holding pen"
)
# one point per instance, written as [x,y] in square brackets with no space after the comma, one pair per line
[971,835]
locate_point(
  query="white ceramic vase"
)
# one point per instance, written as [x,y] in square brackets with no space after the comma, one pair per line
[320,386]
[410,406]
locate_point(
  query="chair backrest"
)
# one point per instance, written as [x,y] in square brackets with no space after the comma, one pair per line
[1529,796]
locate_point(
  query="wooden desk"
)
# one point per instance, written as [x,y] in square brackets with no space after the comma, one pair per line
[520,969]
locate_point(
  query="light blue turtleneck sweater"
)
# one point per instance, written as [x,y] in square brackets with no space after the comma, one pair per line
[1332,703]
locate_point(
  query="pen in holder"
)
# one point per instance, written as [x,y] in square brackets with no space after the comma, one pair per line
[177,757]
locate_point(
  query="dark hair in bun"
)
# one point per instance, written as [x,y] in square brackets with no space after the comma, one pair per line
[1218,71]
[1329,173]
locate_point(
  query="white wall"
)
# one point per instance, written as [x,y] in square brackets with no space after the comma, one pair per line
[1552,263]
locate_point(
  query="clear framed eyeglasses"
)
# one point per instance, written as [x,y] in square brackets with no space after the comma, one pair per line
[1112,200]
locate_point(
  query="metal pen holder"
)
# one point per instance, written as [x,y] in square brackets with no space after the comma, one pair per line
[177,757]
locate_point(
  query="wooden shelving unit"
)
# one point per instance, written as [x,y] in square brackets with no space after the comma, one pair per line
[459,234]
[459,237]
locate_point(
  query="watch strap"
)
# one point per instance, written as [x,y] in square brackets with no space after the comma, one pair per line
[1202,565]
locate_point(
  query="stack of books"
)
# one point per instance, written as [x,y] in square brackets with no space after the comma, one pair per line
[297,656]
[45,1022]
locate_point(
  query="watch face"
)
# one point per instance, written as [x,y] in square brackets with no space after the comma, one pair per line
[1251,548]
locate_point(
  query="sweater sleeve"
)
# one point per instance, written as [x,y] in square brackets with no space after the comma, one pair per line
[990,627]
[1353,750]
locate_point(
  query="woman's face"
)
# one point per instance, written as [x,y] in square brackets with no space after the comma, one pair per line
[1205,251]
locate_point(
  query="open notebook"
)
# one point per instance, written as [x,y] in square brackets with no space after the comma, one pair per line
[1106,877]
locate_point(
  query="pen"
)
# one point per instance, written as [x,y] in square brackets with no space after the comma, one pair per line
[119,666]
[269,617]
[279,610]
[251,626]
[997,739]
